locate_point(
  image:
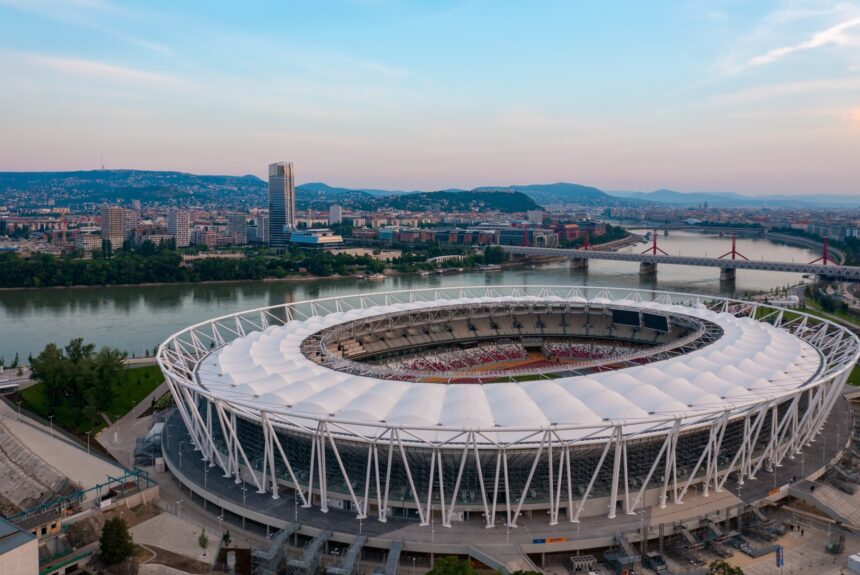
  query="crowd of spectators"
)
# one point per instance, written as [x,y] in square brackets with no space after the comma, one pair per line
[463,358]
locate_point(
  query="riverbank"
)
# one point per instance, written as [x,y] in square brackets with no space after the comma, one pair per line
[290,279]
[629,240]
[835,254]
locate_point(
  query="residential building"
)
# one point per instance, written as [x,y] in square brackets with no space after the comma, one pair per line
[237,225]
[282,203]
[179,226]
[88,243]
[113,225]
[260,233]
[536,216]
[335,214]
[204,235]
[569,232]
[130,220]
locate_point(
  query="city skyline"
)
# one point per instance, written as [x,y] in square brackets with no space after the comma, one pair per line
[759,98]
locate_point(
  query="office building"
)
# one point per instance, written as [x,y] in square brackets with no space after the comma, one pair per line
[282,203]
[179,226]
[317,238]
[335,214]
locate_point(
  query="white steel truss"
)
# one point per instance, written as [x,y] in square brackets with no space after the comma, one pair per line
[794,417]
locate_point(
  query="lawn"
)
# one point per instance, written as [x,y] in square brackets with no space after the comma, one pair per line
[854,378]
[131,387]
[815,308]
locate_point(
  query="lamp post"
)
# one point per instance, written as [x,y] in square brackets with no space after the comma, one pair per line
[19,410]
[220,519]
[88,442]
[244,491]
[51,419]
[179,508]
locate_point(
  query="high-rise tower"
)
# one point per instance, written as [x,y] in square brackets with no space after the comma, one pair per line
[113,225]
[282,202]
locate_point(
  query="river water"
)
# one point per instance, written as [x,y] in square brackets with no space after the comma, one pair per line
[138,318]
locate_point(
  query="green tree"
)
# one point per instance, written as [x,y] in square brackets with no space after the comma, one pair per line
[48,367]
[226,539]
[115,544]
[79,377]
[450,565]
[203,541]
[494,255]
[108,365]
[723,568]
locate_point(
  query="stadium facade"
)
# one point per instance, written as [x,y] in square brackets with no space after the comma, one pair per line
[482,404]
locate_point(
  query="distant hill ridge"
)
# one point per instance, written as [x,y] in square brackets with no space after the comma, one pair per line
[74,187]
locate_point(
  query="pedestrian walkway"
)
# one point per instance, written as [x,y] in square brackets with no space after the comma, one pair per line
[176,535]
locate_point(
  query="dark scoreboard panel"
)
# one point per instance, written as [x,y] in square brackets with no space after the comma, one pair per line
[625,317]
[655,321]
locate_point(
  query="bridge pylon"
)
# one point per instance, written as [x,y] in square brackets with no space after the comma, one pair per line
[824,259]
[654,250]
[734,251]
[582,263]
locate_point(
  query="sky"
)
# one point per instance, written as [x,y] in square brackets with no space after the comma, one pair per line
[754,97]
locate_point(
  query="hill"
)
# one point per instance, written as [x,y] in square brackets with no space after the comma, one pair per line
[558,193]
[123,186]
[31,189]
[458,201]
[733,200]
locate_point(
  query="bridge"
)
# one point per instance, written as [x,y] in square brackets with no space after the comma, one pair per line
[721,230]
[648,261]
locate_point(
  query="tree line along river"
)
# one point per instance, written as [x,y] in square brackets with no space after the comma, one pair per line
[138,318]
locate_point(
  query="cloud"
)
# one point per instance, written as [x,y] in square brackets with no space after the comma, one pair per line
[768,92]
[92,68]
[85,14]
[834,36]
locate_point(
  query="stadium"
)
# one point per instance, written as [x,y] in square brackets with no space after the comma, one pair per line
[488,406]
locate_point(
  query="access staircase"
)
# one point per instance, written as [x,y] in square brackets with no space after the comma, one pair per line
[692,541]
[350,558]
[268,561]
[839,506]
[393,561]
[309,561]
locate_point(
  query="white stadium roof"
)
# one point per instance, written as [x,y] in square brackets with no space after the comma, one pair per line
[751,362]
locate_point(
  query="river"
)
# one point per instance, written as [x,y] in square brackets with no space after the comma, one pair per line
[137,318]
